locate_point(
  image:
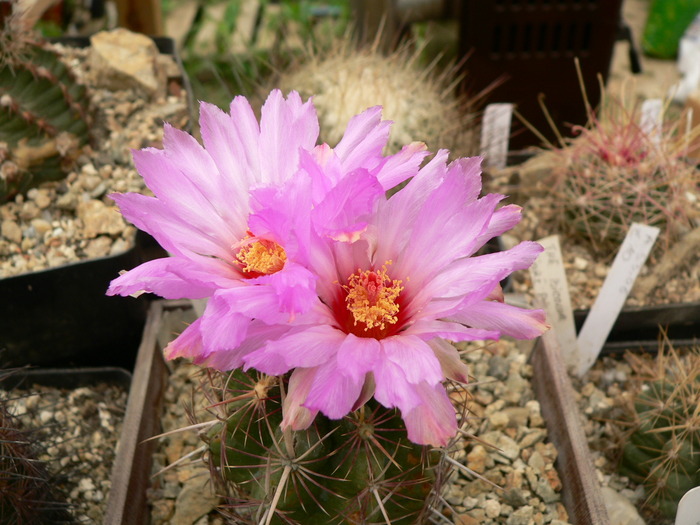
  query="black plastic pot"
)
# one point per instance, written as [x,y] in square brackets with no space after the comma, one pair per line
[69,378]
[62,317]
[639,327]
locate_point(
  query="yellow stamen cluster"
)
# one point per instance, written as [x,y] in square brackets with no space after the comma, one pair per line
[262,257]
[372,298]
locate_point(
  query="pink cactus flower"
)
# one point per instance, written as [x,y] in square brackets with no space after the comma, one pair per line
[391,295]
[201,212]
[308,267]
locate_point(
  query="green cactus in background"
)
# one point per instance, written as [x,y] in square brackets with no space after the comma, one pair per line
[44,118]
[662,451]
[359,469]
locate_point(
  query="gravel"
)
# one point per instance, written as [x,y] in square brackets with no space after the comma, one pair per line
[511,448]
[79,431]
[74,219]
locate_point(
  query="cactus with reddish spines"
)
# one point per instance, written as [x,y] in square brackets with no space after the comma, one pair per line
[616,172]
[28,494]
[44,114]
[662,449]
[359,469]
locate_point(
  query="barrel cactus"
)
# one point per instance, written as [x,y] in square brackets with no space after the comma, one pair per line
[44,117]
[358,469]
[617,172]
[421,102]
[662,451]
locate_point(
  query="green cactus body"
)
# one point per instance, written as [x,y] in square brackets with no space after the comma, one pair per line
[663,450]
[44,120]
[359,469]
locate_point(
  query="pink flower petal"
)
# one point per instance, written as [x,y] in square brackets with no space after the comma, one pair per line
[367,392]
[333,392]
[198,202]
[294,286]
[285,127]
[464,276]
[414,357]
[357,356]
[307,348]
[433,421]
[396,168]
[503,219]
[452,365]
[467,169]
[191,162]
[188,344]
[295,415]
[170,229]
[427,329]
[344,212]
[507,319]
[323,168]
[247,131]
[232,142]
[363,140]
[165,277]
[446,229]
[252,301]
[392,388]
[257,335]
[222,327]
[395,218]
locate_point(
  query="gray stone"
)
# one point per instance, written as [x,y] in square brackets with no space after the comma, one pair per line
[545,491]
[620,510]
[522,516]
[515,497]
[11,231]
[194,501]
[492,508]
[499,367]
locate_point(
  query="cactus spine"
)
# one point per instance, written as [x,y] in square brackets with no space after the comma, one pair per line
[662,451]
[359,469]
[44,118]
[28,494]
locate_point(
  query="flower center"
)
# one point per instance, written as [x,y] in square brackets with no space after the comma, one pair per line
[260,257]
[372,298]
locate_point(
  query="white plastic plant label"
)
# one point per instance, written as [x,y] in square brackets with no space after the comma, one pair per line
[652,119]
[495,134]
[616,287]
[552,293]
[688,512]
